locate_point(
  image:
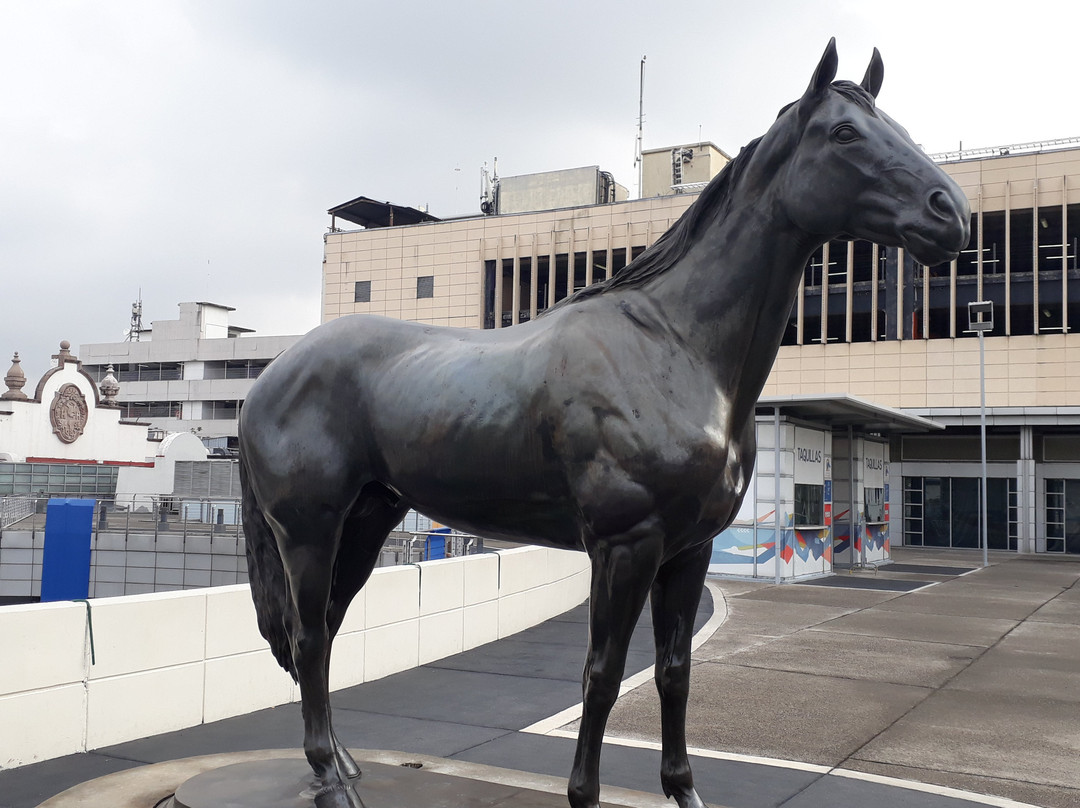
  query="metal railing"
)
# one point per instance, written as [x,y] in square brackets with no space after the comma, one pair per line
[15,509]
[138,514]
[146,515]
[412,548]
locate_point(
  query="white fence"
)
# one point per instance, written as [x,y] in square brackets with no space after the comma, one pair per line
[79,676]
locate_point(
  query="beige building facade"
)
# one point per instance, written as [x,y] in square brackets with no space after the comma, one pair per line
[451,272]
[680,169]
[867,321]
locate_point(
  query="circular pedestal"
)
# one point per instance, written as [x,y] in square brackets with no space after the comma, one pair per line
[281,778]
[253,784]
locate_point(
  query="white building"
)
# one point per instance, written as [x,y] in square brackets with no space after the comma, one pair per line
[187,375]
[69,437]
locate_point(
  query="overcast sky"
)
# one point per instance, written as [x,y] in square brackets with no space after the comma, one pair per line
[190,150]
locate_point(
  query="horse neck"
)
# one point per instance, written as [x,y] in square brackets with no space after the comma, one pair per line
[730,297]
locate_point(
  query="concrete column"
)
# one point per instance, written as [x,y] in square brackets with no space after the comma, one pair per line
[498,307]
[1008,261]
[1027,500]
[534,279]
[515,292]
[875,261]
[825,294]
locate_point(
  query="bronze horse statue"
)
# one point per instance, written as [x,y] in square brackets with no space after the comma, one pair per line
[619,423]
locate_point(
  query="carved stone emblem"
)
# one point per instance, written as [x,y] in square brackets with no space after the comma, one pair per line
[68,413]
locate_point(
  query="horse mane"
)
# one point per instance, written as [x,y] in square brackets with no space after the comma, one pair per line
[669,248]
[713,203]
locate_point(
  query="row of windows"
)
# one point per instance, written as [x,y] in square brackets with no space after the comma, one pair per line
[211,410]
[132,410]
[1063,516]
[810,505]
[551,282]
[221,410]
[57,478]
[425,288]
[860,292]
[946,512]
[1025,261]
[139,371]
[174,371]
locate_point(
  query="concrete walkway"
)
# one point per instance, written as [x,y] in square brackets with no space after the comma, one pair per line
[807,696]
[972,682]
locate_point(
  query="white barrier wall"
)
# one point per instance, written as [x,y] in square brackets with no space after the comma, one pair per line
[170,660]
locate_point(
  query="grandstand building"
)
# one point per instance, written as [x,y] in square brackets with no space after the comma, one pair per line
[867,322]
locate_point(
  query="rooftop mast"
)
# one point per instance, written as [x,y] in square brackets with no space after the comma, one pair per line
[135,328]
[640,124]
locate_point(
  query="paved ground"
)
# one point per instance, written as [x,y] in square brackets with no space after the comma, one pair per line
[972,683]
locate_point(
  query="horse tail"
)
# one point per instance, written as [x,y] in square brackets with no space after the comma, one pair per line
[266,574]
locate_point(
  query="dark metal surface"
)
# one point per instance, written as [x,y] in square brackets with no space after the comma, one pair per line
[372,213]
[619,422]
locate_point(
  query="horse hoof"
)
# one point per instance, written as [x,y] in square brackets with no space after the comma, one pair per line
[339,795]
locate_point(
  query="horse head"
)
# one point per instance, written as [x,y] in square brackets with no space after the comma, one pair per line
[856,173]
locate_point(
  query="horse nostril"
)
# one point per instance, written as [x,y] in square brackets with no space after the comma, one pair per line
[941,204]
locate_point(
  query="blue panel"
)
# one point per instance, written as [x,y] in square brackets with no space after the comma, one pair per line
[65,568]
[435,544]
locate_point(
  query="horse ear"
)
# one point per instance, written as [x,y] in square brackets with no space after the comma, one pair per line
[826,70]
[875,72]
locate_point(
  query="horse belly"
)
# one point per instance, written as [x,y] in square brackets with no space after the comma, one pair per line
[476,457]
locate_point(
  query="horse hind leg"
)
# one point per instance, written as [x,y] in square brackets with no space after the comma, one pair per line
[308,544]
[375,514]
[674,600]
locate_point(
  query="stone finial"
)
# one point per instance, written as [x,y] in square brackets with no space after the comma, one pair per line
[109,388]
[15,381]
[65,354]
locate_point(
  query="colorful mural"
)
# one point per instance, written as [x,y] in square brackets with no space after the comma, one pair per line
[802,551]
[876,537]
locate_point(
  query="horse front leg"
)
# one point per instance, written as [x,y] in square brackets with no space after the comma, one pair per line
[621,575]
[674,600]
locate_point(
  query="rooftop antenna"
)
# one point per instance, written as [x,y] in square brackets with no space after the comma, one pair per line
[489,189]
[640,124]
[135,328]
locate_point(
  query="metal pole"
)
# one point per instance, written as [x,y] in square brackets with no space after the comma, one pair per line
[982,435]
[853,525]
[757,478]
[980,320]
[776,488]
[638,158]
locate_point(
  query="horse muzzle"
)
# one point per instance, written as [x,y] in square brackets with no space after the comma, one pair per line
[944,228]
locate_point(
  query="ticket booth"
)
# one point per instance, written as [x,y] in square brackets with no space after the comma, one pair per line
[819,495]
[861,534]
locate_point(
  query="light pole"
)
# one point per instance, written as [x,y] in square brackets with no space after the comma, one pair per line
[981,320]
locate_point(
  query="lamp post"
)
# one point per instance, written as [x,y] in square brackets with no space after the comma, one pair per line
[981,320]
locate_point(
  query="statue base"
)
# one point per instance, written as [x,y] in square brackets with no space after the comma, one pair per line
[281,778]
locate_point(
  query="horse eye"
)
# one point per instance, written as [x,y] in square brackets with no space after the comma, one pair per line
[845,133]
